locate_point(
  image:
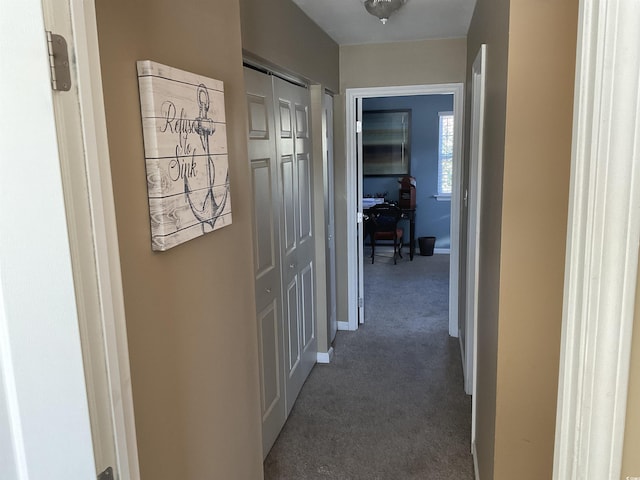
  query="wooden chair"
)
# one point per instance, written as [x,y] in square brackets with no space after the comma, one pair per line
[383,225]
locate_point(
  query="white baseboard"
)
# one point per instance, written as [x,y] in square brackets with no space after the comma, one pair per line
[474,452]
[442,251]
[343,326]
[325,357]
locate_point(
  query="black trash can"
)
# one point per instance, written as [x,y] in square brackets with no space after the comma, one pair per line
[426,245]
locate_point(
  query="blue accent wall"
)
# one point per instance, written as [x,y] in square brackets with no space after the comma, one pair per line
[433,218]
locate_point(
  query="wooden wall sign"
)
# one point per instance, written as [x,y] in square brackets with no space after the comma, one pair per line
[185,145]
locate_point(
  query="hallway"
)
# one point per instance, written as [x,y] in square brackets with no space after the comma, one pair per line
[391,404]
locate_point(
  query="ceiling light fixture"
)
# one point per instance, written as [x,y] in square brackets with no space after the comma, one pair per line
[383,8]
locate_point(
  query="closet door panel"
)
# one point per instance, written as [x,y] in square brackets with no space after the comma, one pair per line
[306,247]
[266,254]
[282,179]
[270,381]
[304,192]
[264,216]
[293,325]
[287,167]
[293,107]
[309,327]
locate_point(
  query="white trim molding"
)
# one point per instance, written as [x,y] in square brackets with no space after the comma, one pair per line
[441,251]
[45,427]
[325,357]
[602,245]
[351,95]
[106,237]
[476,468]
[345,326]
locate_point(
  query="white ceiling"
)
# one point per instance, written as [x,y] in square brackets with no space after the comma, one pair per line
[347,21]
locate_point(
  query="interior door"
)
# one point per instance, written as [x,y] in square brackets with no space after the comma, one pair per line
[473,230]
[359,216]
[87,217]
[45,429]
[266,255]
[293,148]
[280,161]
[331,241]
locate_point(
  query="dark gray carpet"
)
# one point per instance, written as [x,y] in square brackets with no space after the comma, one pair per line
[391,405]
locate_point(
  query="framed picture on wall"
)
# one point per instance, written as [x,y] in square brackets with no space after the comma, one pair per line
[386,142]
[185,145]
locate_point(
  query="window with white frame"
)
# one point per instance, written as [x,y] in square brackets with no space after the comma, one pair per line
[445,154]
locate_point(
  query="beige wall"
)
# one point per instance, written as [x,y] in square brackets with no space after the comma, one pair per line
[527,244]
[403,63]
[190,310]
[490,25]
[541,77]
[280,33]
[424,62]
[631,459]
[529,108]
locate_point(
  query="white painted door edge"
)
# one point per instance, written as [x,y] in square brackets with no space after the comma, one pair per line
[457,90]
[600,278]
[105,235]
[478,75]
[360,215]
[45,430]
[476,468]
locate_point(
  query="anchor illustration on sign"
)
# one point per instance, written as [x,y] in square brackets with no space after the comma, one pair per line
[209,211]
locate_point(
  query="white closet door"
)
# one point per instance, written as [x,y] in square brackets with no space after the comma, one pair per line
[294,155]
[280,160]
[266,254]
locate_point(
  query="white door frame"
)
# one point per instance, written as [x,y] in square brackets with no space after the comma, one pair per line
[102,325]
[602,245]
[478,76]
[44,419]
[327,105]
[107,254]
[359,214]
[354,205]
[25,48]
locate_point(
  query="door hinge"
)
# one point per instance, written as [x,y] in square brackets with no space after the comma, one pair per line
[106,475]
[360,302]
[59,62]
[358,126]
[359,217]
